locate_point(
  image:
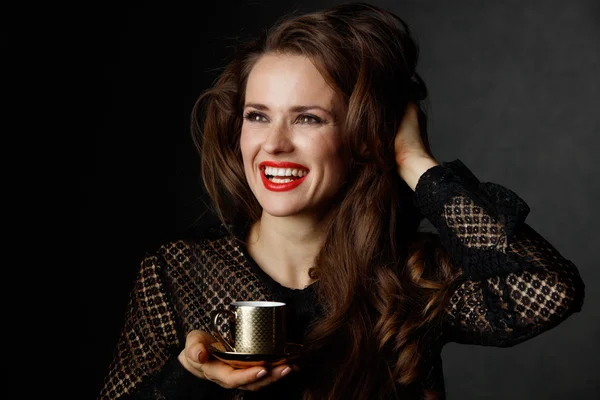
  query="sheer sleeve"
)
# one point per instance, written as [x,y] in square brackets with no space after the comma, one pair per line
[145,364]
[513,283]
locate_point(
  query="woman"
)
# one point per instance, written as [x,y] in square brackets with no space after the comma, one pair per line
[315,154]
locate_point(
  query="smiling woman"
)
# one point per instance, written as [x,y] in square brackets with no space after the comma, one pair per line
[292,116]
[314,151]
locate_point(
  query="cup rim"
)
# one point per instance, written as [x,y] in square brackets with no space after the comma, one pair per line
[257,304]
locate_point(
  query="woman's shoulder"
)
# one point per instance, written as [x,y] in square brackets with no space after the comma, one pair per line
[199,244]
[210,260]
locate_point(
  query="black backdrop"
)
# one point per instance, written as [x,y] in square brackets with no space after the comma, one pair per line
[515,94]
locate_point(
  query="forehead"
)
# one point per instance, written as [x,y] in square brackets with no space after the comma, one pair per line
[283,79]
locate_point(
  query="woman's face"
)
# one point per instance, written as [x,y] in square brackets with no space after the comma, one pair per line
[291,138]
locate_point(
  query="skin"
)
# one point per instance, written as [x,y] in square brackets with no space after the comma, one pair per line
[289,234]
[274,130]
[412,159]
[286,240]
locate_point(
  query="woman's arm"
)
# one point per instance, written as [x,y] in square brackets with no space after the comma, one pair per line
[145,364]
[514,284]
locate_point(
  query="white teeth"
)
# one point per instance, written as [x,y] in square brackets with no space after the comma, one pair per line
[277,180]
[272,171]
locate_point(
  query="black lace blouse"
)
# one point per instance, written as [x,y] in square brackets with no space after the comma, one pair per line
[514,285]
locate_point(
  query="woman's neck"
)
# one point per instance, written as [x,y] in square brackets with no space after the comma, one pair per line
[286,247]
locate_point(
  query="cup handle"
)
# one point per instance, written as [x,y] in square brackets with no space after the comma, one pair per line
[226,342]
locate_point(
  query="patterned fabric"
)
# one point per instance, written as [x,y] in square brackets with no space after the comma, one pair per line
[472,226]
[513,286]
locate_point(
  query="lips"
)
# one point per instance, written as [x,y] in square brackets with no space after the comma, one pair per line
[286,186]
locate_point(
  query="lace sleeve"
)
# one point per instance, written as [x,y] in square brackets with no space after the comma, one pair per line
[513,284]
[145,364]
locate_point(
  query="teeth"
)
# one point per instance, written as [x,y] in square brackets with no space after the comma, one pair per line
[272,171]
[278,180]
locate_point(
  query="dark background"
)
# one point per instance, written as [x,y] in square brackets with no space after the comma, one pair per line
[515,94]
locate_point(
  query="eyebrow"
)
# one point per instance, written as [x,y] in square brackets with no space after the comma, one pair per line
[263,107]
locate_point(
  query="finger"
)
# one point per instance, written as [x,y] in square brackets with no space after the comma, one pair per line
[195,346]
[203,354]
[287,362]
[229,377]
[274,375]
[200,336]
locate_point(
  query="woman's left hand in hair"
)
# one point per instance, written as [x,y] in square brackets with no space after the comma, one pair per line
[412,158]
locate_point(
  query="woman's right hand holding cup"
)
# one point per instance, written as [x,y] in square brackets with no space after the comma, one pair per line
[196,359]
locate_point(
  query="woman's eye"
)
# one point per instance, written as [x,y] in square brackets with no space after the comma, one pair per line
[255,117]
[309,119]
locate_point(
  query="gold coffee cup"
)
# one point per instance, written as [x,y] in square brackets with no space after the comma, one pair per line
[258,327]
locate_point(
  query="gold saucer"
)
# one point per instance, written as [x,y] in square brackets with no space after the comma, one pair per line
[247,360]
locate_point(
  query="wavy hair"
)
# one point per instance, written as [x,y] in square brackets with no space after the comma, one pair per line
[382,285]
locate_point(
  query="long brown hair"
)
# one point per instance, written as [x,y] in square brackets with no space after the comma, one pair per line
[382,285]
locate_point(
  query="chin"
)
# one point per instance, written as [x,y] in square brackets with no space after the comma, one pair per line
[277,209]
[280,212]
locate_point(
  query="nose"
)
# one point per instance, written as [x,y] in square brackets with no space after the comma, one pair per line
[278,139]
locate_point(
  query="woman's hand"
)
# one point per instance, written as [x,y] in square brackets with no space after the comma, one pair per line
[195,359]
[412,158]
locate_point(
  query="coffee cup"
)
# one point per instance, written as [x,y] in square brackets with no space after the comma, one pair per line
[258,327]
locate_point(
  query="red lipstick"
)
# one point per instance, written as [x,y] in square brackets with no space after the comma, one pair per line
[281,187]
[282,164]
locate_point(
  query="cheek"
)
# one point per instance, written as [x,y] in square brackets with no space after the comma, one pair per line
[247,147]
[334,154]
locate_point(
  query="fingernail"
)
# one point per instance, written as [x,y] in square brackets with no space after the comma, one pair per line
[261,374]
[286,371]
[198,355]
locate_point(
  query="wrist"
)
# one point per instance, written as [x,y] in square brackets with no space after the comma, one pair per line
[411,168]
